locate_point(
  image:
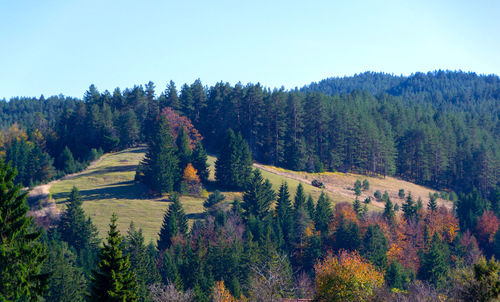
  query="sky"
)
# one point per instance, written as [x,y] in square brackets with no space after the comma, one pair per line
[61,47]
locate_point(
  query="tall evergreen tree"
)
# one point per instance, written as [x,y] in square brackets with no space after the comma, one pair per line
[113,280]
[300,198]
[75,228]
[234,164]
[160,168]
[66,162]
[258,196]
[21,253]
[141,262]
[434,262]
[67,281]
[183,150]
[323,214]
[389,211]
[171,99]
[409,207]
[310,205]
[284,213]
[432,205]
[174,223]
[375,246]
[199,161]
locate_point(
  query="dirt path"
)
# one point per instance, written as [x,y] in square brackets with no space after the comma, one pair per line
[42,194]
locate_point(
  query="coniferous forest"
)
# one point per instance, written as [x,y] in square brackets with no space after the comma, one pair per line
[439,129]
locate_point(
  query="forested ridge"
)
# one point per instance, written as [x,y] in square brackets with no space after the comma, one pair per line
[440,129]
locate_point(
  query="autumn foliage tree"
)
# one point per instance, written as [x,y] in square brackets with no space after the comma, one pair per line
[221,294]
[486,228]
[346,277]
[190,179]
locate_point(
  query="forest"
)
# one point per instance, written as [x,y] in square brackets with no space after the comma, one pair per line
[439,129]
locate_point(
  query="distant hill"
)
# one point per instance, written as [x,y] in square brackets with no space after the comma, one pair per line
[437,87]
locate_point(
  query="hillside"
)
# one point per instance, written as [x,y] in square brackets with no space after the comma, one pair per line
[108,186]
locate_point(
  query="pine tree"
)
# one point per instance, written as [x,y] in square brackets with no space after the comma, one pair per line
[66,162]
[141,262]
[310,205]
[160,168]
[21,253]
[322,214]
[171,98]
[434,263]
[199,161]
[375,246]
[347,236]
[234,165]
[174,223]
[284,213]
[258,196]
[300,198]
[409,208]
[74,227]
[183,150]
[432,205]
[389,211]
[244,163]
[356,206]
[66,282]
[113,280]
[283,205]
[213,199]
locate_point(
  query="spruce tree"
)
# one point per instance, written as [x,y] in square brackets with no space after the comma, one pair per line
[283,204]
[234,165]
[389,211]
[113,280]
[199,161]
[432,205]
[258,196]
[300,198]
[67,281]
[160,168]
[75,228]
[434,263]
[174,223]
[322,214]
[244,163]
[171,98]
[356,206]
[21,253]
[226,164]
[183,150]
[310,205]
[375,246]
[141,262]
[66,162]
[409,208]
[284,212]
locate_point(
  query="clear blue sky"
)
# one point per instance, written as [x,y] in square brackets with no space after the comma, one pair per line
[50,47]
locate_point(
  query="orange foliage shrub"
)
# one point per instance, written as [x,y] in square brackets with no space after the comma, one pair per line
[190,175]
[221,294]
[347,277]
[442,222]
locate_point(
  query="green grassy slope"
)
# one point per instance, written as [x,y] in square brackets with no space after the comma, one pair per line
[109,187]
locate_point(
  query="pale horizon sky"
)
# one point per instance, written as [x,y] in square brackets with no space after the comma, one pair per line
[56,47]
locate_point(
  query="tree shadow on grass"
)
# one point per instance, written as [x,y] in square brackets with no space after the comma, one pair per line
[120,190]
[112,169]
